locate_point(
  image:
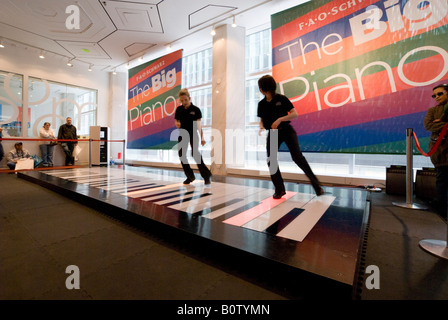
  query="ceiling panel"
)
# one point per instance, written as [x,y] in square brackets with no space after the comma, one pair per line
[134,16]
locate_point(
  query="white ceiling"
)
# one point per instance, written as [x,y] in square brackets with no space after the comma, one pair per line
[111,33]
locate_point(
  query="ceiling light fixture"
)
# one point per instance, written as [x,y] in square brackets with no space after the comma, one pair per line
[41,55]
[1,44]
[213,31]
[234,22]
[140,59]
[69,63]
[168,47]
[114,72]
[90,68]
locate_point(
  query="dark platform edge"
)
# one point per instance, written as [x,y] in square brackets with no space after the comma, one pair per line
[283,279]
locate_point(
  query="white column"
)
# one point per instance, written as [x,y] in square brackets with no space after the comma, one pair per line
[228,98]
[117,102]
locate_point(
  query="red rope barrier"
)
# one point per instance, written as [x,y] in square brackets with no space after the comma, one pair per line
[435,146]
[28,139]
[32,139]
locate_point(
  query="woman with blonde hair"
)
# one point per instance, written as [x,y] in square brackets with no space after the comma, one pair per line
[188,120]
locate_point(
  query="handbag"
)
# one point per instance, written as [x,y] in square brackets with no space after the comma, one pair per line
[37,160]
[76,152]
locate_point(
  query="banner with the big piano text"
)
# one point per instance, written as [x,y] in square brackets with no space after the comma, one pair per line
[152,102]
[359,72]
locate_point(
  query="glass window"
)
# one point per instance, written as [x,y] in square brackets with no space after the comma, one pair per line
[258,63]
[197,69]
[11,92]
[258,52]
[54,102]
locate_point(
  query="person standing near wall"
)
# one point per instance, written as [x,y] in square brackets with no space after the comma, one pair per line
[188,119]
[436,118]
[47,147]
[2,152]
[275,112]
[67,131]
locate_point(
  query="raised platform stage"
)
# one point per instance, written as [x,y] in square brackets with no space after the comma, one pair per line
[319,240]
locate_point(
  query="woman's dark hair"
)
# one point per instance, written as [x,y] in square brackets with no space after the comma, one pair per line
[443,86]
[267,84]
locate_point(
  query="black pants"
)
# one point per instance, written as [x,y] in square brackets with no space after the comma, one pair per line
[442,189]
[287,135]
[184,139]
[68,147]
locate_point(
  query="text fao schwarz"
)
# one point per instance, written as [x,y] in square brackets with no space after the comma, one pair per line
[223,310]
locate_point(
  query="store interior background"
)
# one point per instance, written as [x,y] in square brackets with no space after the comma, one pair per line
[108,80]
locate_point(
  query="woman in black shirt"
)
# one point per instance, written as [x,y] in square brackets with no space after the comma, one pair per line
[275,112]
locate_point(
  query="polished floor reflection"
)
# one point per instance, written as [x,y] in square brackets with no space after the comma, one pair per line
[318,235]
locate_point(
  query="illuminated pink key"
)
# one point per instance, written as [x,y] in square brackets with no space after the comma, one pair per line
[265,205]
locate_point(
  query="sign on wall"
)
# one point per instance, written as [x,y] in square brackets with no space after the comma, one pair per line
[359,72]
[153,89]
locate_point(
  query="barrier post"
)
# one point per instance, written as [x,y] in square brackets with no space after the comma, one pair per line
[124,150]
[90,153]
[438,248]
[409,176]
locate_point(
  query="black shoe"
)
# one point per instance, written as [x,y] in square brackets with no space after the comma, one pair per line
[320,191]
[207,180]
[278,195]
[188,181]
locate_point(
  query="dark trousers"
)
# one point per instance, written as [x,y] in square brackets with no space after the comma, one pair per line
[442,189]
[287,135]
[68,147]
[184,139]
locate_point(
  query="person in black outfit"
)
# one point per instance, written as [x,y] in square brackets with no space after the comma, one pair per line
[188,120]
[435,119]
[2,152]
[68,131]
[275,112]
